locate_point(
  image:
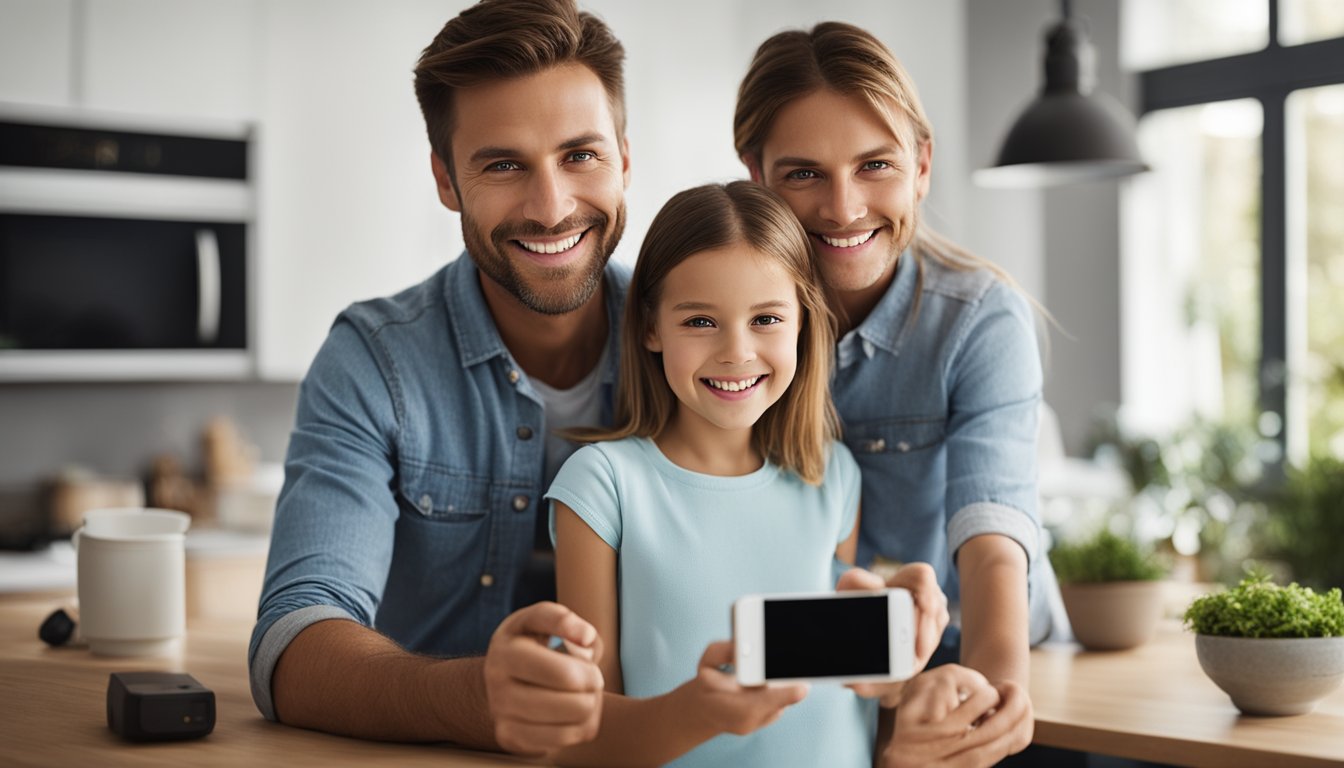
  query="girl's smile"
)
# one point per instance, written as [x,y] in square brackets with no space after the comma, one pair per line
[735,389]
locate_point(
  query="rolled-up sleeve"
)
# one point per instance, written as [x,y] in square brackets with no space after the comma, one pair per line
[994,384]
[331,544]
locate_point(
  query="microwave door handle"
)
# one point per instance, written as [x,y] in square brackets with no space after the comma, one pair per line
[208,286]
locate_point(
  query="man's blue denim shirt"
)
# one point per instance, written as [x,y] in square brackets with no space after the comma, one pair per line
[939,407]
[413,478]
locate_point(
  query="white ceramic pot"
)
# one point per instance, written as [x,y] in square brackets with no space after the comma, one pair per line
[1113,615]
[1273,676]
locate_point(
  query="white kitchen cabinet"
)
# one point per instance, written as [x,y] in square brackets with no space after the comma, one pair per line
[35,51]
[175,59]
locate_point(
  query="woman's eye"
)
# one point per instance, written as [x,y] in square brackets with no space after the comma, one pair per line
[700,322]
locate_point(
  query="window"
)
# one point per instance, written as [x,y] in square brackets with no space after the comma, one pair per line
[1233,260]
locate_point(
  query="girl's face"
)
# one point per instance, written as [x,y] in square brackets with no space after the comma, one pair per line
[727,325]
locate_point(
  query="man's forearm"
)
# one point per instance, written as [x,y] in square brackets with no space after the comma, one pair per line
[994,616]
[342,677]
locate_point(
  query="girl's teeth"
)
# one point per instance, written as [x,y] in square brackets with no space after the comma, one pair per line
[734,386]
[556,247]
[847,242]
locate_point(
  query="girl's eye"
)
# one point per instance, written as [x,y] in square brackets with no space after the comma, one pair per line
[699,322]
[768,320]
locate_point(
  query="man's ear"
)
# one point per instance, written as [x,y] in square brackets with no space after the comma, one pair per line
[625,160]
[444,182]
[925,169]
[753,163]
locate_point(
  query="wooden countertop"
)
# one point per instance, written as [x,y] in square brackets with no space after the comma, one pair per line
[53,708]
[1151,703]
[1155,703]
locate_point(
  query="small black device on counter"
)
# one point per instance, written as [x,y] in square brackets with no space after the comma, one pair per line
[159,706]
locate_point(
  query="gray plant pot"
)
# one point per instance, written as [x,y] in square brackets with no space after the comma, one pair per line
[1113,615]
[1273,676]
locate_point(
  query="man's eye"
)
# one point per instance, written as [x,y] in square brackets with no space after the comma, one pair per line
[582,157]
[503,165]
[699,322]
[802,174]
[876,165]
[768,320]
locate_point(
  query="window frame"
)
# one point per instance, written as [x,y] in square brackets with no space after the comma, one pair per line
[1268,75]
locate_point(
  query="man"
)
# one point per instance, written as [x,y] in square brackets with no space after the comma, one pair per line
[424,436]
[938,378]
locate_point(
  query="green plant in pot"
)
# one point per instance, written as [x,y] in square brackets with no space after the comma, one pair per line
[1112,591]
[1275,650]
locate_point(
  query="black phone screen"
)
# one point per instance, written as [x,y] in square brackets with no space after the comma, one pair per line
[826,637]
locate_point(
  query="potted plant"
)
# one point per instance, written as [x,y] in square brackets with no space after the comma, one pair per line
[1112,591]
[1275,650]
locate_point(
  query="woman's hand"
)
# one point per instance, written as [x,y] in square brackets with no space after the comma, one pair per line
[931,618]
[724,706]
[953,716]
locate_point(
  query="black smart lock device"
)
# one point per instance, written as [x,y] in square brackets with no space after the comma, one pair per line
[159,706]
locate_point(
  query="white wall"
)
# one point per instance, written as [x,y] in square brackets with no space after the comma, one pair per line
[1063,245]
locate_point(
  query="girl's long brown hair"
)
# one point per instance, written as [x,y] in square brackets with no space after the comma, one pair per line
[796,432]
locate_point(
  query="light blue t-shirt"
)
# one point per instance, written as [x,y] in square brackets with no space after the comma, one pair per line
[690,544]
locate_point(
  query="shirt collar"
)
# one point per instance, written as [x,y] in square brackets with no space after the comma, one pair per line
[478,338]
[886,326]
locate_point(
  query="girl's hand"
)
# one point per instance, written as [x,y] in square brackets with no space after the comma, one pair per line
[724,706]
[931,618]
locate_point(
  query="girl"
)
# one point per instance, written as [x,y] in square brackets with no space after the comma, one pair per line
[721,477]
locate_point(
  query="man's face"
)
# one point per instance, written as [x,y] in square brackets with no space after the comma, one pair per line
[541,179]
[854,184]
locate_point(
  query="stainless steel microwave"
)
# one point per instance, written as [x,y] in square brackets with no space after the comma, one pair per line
[123,252]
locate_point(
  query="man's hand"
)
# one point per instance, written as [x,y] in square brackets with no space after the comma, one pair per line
[931,618]
[952,717]
[542,700]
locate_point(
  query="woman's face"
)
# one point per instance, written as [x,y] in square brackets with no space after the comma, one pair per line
[853,183]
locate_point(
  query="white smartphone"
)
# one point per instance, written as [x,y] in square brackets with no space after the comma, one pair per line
[836,637]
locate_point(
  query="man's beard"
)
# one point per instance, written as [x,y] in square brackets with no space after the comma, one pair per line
[561,289]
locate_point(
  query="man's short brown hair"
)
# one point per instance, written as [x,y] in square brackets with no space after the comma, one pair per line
[500,39]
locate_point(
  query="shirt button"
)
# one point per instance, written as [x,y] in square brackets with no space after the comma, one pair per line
[487,580]
[520,502]
[524,433]
[903,447]
[875,446]
[425,502]
[514,376]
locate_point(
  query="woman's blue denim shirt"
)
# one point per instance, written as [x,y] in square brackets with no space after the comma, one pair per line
[938,391]
[413,477]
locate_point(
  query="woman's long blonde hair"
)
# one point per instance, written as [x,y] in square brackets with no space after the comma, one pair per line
[796,432]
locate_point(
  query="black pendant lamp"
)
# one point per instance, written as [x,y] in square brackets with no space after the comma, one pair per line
[1069,134]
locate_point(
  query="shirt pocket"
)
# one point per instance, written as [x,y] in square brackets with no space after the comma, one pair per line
[895,436]
[444,496]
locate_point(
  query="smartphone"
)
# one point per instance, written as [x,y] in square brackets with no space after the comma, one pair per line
[836,637]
